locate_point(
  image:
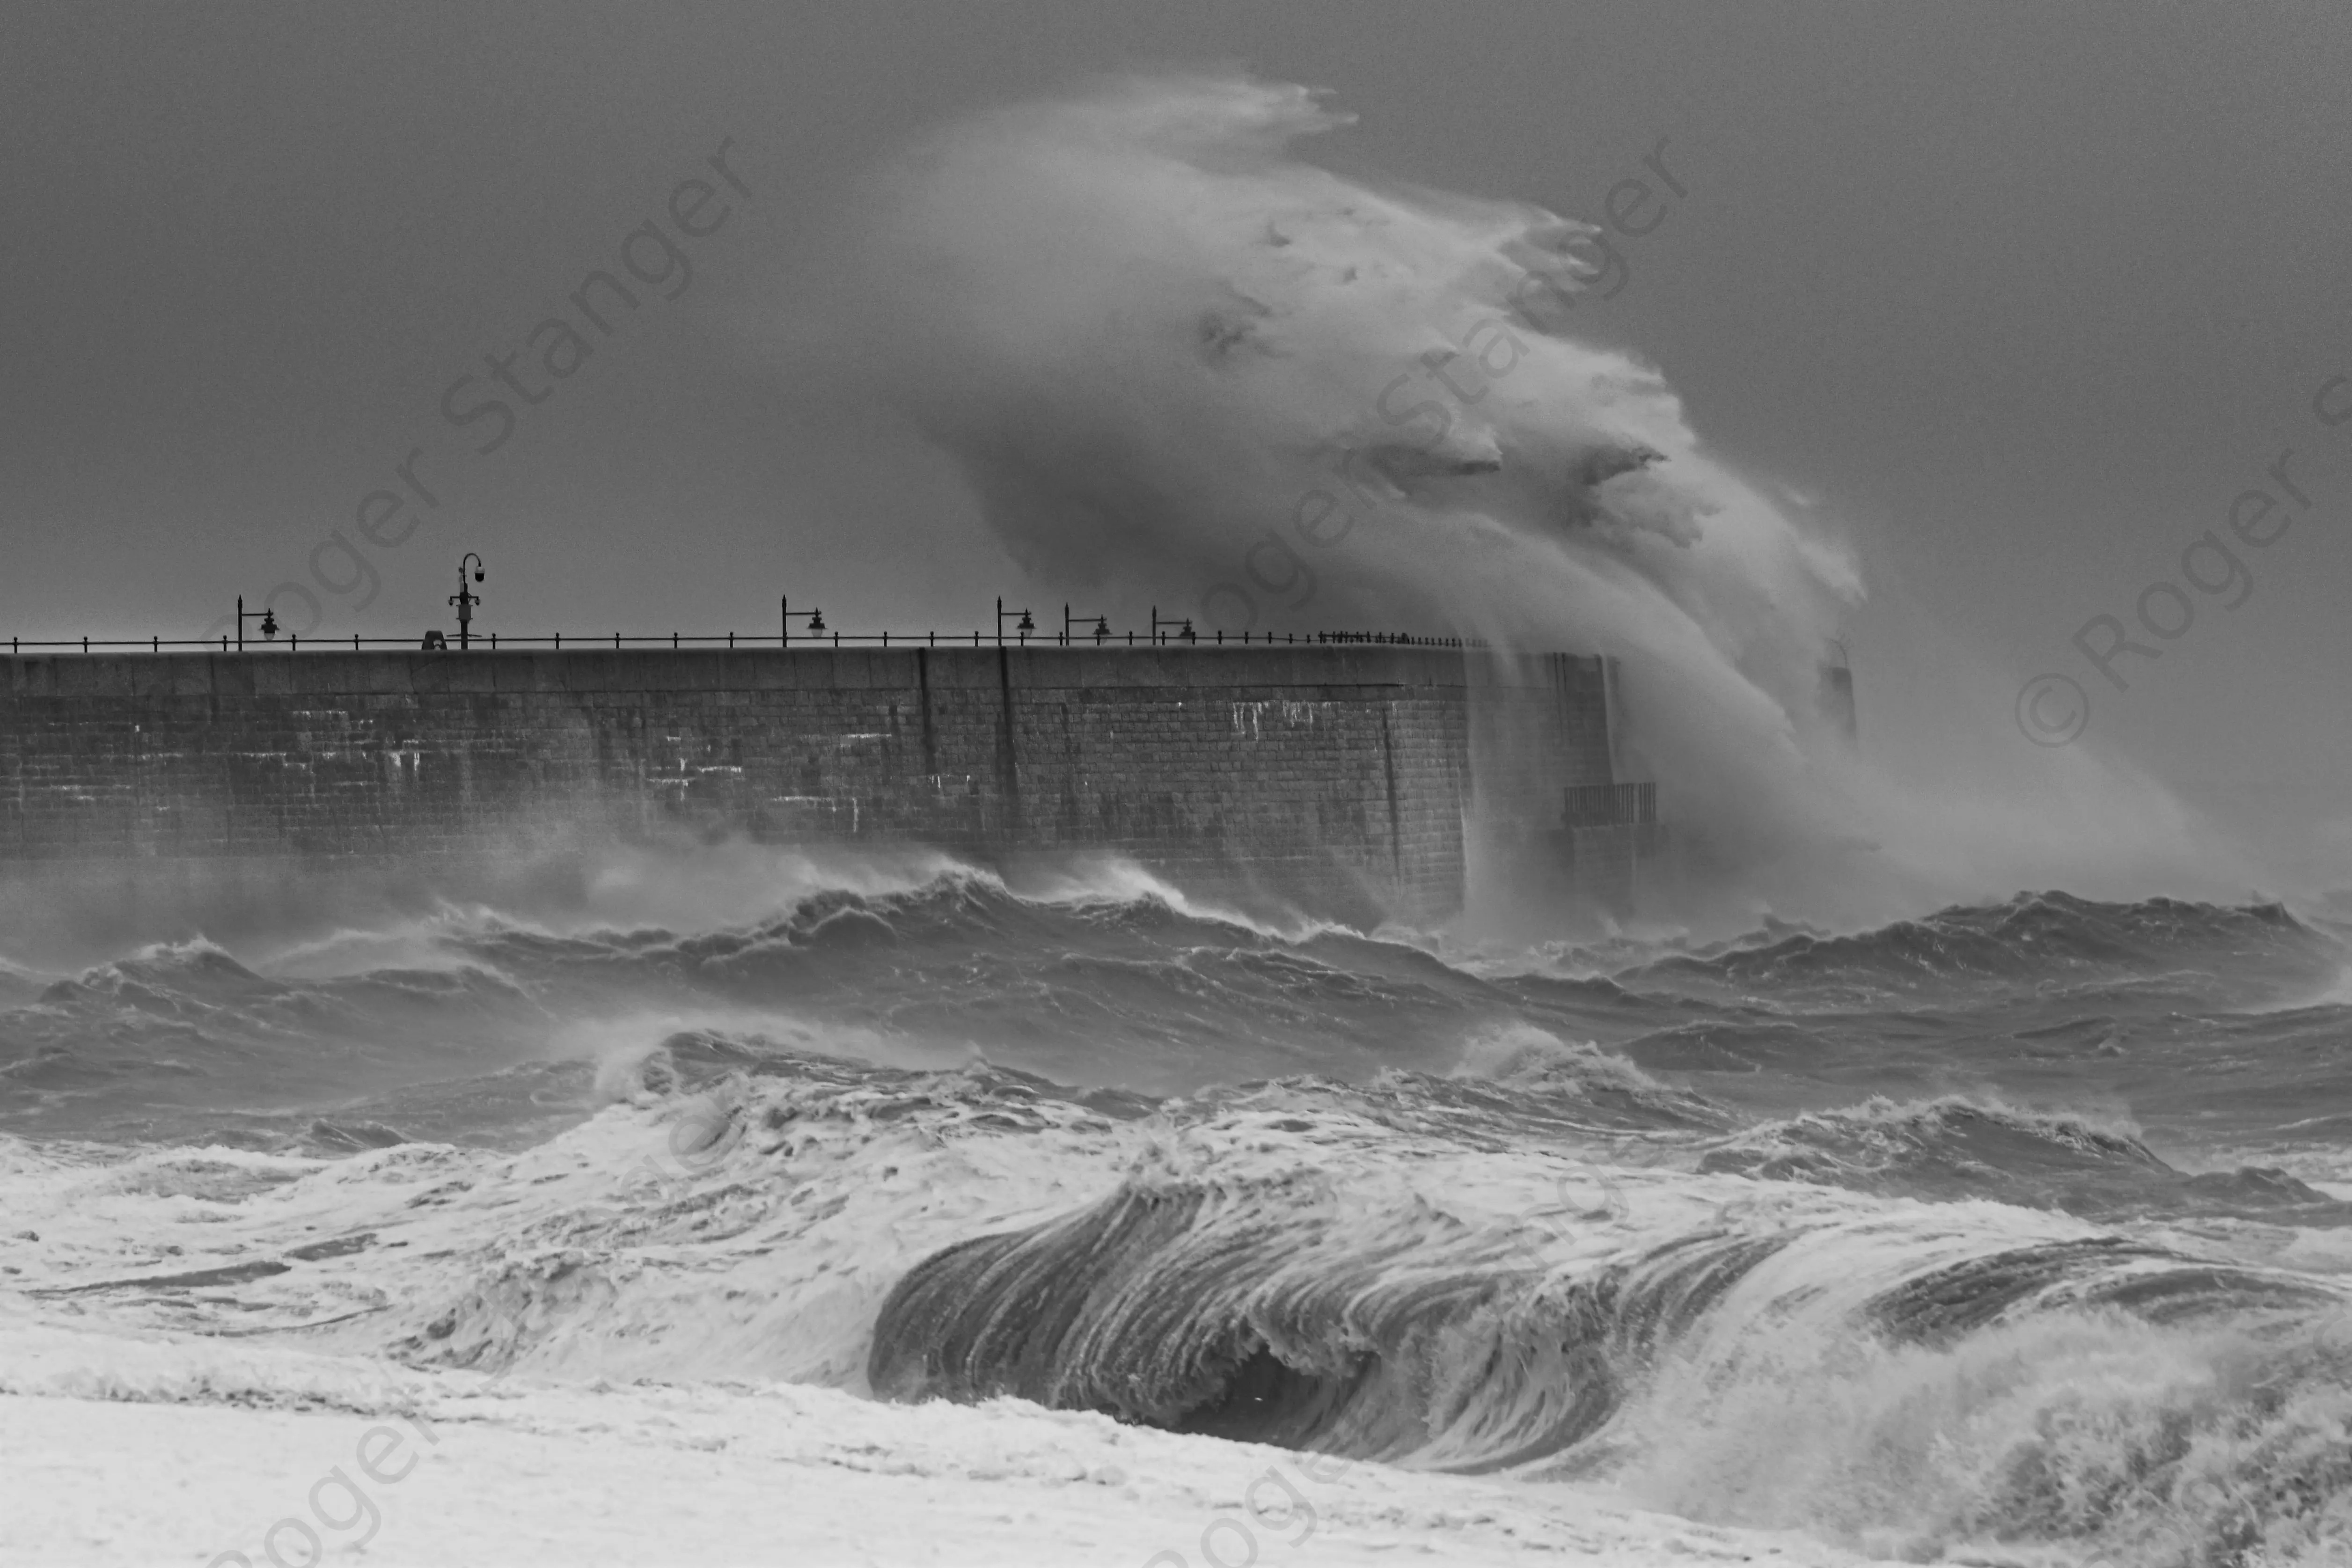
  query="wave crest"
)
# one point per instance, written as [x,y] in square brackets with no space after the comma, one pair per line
[1954,1148]
[1264,1311]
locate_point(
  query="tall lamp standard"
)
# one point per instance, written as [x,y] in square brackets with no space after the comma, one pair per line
[466,600]
[269,622]
[1024,628]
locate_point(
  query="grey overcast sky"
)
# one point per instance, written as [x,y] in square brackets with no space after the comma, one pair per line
[2022,294]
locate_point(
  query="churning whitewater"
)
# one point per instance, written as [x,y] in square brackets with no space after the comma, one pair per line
[1871,1210]
[1797,1231]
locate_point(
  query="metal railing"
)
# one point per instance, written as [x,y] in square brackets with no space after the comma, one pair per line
[564,642]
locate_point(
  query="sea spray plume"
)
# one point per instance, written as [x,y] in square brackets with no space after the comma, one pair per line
[1168,353]
[1177,362]
[1147,331]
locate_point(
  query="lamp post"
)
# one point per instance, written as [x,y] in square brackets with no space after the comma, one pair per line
[264,615]
[466,600]
[1102,625]
[785,620]
[1023,629]
[1157,621]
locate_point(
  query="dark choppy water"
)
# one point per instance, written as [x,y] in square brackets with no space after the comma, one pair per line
[2020,1225]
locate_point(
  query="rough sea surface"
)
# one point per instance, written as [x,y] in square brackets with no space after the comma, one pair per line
[2006,1234]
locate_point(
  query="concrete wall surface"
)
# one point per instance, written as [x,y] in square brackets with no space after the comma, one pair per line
[1331,777]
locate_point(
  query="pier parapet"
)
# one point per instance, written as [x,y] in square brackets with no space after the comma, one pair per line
[1346,780]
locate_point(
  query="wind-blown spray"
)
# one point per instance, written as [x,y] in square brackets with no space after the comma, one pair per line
[1177,361]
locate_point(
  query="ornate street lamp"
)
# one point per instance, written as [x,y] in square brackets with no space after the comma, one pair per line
[785,619]
[265,615]
[1024,628]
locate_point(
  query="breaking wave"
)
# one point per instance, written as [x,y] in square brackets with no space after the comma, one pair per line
[1831,1366]
[2035,943]
[1952,1149]
[1894,1235]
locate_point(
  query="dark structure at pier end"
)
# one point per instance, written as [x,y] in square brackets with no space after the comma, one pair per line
[1345,781]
